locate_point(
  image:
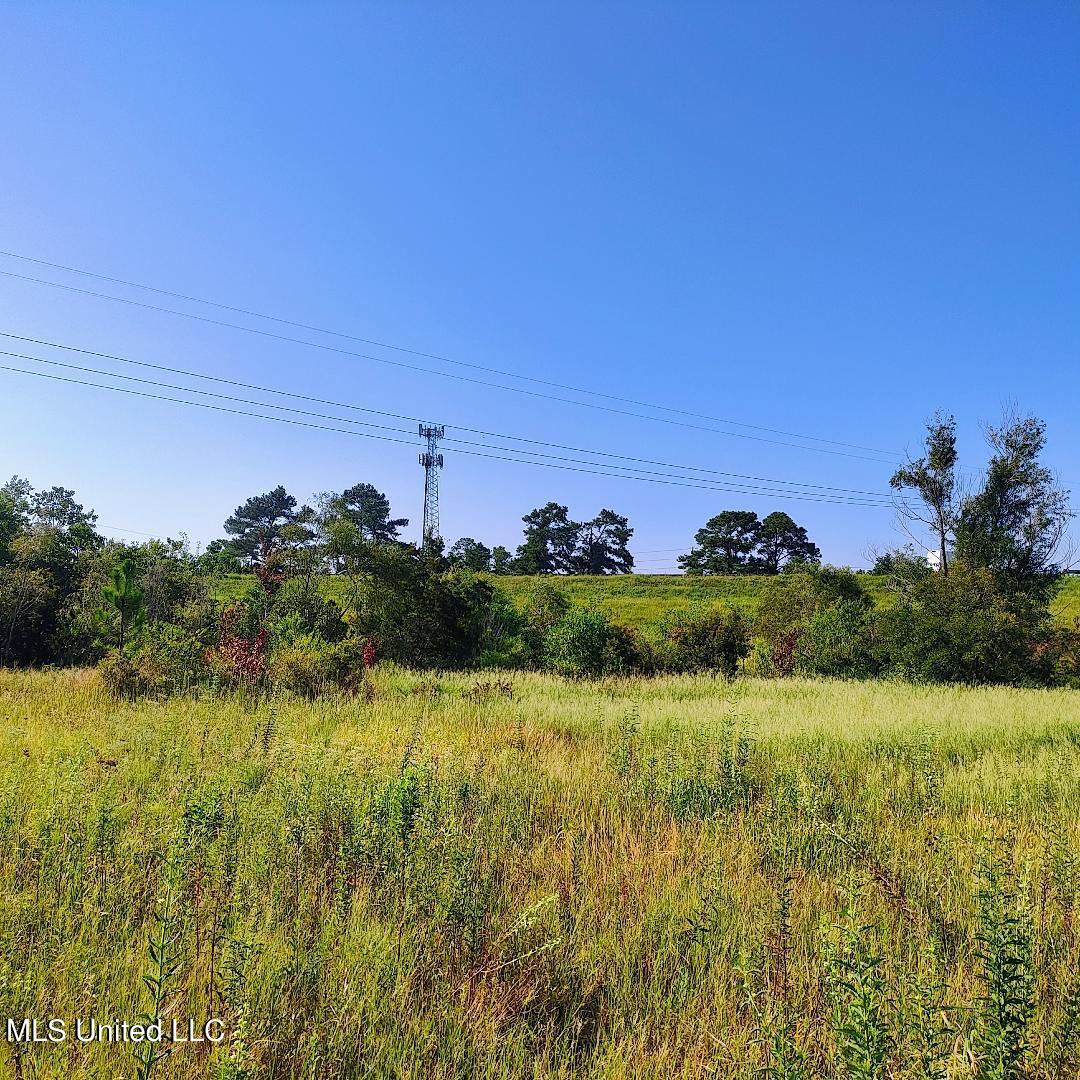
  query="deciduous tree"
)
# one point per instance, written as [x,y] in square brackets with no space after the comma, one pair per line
[470,554]
[1015,523]
[933,478]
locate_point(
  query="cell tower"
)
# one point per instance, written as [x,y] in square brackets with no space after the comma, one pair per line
[432,461]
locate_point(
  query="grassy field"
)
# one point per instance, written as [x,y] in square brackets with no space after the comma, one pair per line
[457,877]
[638,599]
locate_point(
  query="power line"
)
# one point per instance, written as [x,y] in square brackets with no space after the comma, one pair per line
[403,349]
[624,472]
[447,374]
[388,438]
[523,454]
[801,485]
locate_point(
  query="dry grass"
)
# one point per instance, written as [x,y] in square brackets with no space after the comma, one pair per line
[665,878]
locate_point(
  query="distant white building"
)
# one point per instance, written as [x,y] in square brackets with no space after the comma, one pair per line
[933,559]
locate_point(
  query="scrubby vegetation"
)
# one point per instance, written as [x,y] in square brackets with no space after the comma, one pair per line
[519,875]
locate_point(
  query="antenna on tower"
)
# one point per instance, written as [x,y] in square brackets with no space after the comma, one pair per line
[432,461]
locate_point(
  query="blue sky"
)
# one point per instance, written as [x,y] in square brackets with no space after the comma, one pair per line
[821,218]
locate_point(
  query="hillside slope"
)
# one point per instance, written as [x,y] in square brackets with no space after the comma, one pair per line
[637,599]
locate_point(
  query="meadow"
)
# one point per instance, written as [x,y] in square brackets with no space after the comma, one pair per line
[639,599]
[519,876]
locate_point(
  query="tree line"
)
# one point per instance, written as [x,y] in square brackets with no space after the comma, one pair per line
[732,542]
[155,611]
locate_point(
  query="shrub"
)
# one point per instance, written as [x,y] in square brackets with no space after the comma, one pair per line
[702,639]
[793,598]
[422,618]
[796,607]
[130,677]
[168,660]
[1061,648]
[545,606]
[962,627]
[312,667]
[834,641]
[298,608]
[581,643]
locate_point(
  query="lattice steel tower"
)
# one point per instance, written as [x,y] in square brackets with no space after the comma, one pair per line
[432,461]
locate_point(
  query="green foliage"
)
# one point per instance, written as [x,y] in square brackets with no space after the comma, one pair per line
[782,543]
[964,628]
[162,964]
[268,523]
[122,595]
[554,544]
[603,545]
[299,607]
[545,604]
[309,667]
[833,601]
[220,557]
[736,542]
[837,640]
[1014,524]
[1005,950]
[419,615]
[368,510]
[470,554]
[550,541]
[858,995]
[724,545]
[933,479]
[583,643]
[701,639]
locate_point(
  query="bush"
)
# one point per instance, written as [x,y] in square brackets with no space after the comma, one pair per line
[312,667]
[130,678]
[422,618]
[836,641]
[545,607]
[962,627]
[701,639]
[503,641]
[299,608]
[1061,647]
[168,660]
[582,643]
[829,608]
[794,598]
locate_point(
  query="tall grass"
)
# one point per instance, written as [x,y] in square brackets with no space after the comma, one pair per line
[538,878]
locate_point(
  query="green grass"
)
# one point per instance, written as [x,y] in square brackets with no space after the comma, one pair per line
[456,877]
[639,599]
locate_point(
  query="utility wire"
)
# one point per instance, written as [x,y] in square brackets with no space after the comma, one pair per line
[414,352]
[624,472]
[716,485]
[399,416]
[412,442]
[445,374]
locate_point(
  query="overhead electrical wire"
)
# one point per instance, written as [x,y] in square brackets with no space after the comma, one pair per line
[409,351]
[626,474]
[800,485]
[460,378]
[525,454]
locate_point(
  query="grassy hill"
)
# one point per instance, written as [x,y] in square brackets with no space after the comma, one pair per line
[638,599]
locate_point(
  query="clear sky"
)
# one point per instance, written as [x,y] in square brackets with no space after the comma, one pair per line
[827,218]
